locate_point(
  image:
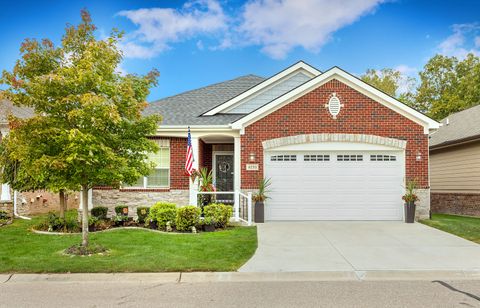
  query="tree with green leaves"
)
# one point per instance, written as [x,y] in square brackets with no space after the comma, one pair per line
[449,85]
[88,129]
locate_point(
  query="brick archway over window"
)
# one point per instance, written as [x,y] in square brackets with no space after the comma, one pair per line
[316,138]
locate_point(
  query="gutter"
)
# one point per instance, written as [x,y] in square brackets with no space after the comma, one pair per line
[456,142]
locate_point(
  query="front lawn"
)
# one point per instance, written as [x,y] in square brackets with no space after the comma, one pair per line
[463,226]
[130,250]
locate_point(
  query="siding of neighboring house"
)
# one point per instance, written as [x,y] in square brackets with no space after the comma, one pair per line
[455,179]
[360,115]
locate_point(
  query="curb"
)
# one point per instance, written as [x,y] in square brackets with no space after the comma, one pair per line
[212,277]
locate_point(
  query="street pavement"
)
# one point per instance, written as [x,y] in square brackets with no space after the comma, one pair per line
[217,290]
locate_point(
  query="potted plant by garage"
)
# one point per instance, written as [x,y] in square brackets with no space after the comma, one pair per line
[259,199]
[410,197]
[208,224]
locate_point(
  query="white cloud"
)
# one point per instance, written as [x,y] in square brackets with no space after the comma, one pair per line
[160,27]
[459,44]
[277,26]
[281,25]
[405,69]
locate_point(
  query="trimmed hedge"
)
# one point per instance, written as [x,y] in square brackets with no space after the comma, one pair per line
[100,212]
[187,217]
[219,213]
[142,213]
[163,212]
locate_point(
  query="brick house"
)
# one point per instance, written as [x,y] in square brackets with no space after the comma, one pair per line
[334,147]
[455,164]
[34,202]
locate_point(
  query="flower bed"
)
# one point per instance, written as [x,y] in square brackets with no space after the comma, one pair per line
[162,216]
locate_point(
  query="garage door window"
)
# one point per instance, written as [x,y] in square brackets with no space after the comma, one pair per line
[283,158]
[316,157]
[378,157]
[349,157]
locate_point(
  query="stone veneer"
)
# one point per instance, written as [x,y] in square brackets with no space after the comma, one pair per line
[7,206]
[135,198]
[456,203]
[423,205]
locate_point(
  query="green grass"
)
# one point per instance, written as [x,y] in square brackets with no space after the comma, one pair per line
[463,226]
[130,251]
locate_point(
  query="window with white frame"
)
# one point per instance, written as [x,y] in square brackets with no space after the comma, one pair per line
[316,157]
[378,157]
[159,177]
[283,158]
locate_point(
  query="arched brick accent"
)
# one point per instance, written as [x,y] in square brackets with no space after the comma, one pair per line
[316,138]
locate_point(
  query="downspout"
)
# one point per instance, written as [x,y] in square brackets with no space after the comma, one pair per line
[15,207]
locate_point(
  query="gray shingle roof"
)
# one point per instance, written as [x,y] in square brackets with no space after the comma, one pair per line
[8,108]
[461,125]
[186,108]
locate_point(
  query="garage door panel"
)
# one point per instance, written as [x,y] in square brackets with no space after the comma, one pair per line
[335,190]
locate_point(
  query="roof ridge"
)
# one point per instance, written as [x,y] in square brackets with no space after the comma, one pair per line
[461,111]
[205,87]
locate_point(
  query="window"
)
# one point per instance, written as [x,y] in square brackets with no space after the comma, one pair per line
[349,157]
[283,158]
[159,177]
[316,157]
[378,157]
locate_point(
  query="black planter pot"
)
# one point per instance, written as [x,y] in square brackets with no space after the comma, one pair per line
[92,228]
[153,225]
[259,212]
[410,212]
[209,228]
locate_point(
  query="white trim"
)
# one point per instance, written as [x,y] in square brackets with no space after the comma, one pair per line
[299,66]
[357,84]
[193,185]
[196,131]
[237,169]
[214,165]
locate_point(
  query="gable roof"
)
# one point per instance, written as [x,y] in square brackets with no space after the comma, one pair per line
[186,108]
[462,126]
[350,80]
[300,66]
[7,108]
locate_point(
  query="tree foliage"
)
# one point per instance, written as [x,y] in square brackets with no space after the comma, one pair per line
[88,129]
[447,85]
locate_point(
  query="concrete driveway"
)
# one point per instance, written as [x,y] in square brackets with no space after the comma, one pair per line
[359,246]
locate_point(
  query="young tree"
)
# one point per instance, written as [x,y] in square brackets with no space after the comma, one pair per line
[89,129]
[449,85]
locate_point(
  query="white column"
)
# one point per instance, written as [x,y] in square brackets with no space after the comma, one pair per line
[5,195]
[194,185]
[237,176]
[89,201]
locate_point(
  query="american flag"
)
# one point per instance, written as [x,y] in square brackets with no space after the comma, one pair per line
[189,157]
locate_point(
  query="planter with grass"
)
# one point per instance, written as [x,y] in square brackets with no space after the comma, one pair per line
[259,199]
[208,225]
[410,197]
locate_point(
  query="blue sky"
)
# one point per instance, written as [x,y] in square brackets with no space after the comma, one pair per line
[196,43]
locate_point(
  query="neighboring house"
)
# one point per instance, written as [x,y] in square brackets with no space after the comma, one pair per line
[27,203]
[334,147]
[455,164]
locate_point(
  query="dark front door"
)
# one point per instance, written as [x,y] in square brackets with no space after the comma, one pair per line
[224,176]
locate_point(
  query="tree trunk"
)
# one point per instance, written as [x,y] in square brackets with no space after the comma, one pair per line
[84,216]
[62,204]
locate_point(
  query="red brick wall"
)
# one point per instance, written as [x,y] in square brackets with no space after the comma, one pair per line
[360,115]
[178,148]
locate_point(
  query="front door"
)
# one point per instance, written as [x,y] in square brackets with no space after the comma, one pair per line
[224,176]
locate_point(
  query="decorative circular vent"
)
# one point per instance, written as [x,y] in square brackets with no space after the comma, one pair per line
[334,105]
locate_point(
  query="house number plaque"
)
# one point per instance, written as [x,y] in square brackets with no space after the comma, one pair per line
[251,167]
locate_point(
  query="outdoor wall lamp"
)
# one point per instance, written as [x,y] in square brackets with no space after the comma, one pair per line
[252,157]
[419,156]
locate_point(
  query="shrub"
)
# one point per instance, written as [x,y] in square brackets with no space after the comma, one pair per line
[53,223]
[219,213]
[4,215]
[187,217]
[100,212]
[121,210]
[142,213]
[163,212]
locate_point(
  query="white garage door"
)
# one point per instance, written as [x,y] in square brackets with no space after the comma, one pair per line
[335,185]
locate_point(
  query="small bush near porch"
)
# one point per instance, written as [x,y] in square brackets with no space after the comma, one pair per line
[129,250]
[463,226]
